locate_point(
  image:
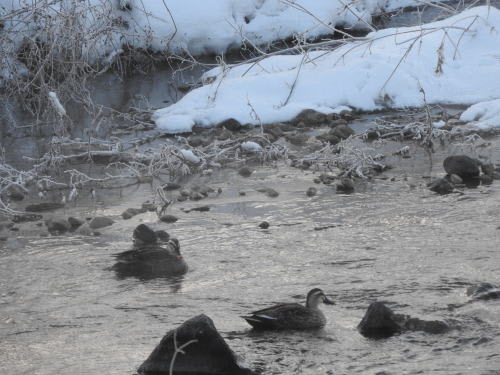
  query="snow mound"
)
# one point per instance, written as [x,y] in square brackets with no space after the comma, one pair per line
[484,115]
[452,61]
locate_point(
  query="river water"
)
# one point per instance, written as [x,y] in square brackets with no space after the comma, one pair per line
[62,311]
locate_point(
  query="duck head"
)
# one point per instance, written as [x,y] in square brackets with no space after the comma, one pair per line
[317,296]
[174,243]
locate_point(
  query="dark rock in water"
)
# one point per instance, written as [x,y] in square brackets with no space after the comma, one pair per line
[264,225]
[171,186]
[488,169]
[297,139]
[337,122]
[310,118]
[148,206]
[486,179]
[462,165]
[230,124]
[199,209]
[43,207]
[131,212]
[346,185]
[144,235]
[441,186]
[100,222]
[327,179]
[311,192]
[245,172]
[455,179]
[328,137]
[380,321]
[342,131]
[483,292]
[199,140]
[16,193]
[57,226]
[182,198]
[26,218]
[74,222]
[205,352]
[168,218]
[271,193]
[196,196]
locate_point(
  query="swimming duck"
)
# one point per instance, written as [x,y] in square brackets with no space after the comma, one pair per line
[292,315]
[154,255]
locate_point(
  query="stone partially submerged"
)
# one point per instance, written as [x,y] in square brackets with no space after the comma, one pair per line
[380,322]
[194,348]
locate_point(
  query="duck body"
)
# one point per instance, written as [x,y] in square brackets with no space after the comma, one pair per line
[287,316]
[291,316]
[155,254]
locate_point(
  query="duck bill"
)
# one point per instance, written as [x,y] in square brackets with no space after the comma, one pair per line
[328,301]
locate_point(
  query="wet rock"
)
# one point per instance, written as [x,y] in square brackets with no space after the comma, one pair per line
[205,352]
[148,206]
[230,124]
[311,192]
[483,292]
[271,193]
[86,230]
[264,225]
[203,190]
[26,218]
[242,193]
[162,235]
[380,321]
[44,207]
[346,185]
[131,212]
[327,179]
[488,169]
[310,117]
[441,186]
[347,115]
[143,235]
[297,139]
[245,172]
[16,193]
[100,222]
[337,122]
[74,222]
[196,196]
[199,209]
[328,137]
[171,186]
[462,165]
[168,218]
[342,131]
[455,179]
[486,179]
[185,192]
[199,140]
[274,130]
[57,226]
[181,198]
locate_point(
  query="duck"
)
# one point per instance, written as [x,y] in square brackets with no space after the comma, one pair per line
[292,316]
[154,255]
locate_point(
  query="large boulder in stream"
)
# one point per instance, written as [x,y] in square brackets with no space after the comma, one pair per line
[380,322]
[462,166]
[194,348]
[483,292]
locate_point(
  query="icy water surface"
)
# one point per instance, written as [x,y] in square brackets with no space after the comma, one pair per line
[63,312]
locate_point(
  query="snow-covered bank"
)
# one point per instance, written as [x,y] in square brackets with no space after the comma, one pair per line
[100,30]
[453,61]
[484,115]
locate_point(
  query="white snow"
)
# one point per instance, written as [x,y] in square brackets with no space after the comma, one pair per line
[454,61]
[483,115]
[190,156]
[251,146]
[193,26]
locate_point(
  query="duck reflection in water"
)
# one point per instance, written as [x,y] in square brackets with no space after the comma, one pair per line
[154,255]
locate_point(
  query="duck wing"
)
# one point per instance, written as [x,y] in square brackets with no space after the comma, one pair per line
[278,316]
[145,254]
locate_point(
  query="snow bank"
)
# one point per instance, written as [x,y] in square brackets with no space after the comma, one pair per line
[453,61]
[483,115]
